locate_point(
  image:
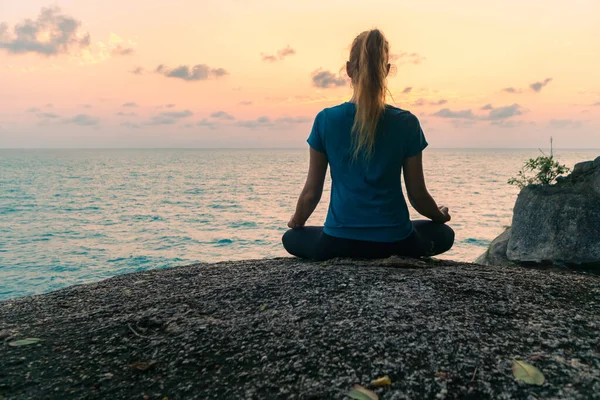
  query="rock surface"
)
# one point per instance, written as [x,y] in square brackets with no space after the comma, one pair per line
[288,329]
[555,224]
[496,252]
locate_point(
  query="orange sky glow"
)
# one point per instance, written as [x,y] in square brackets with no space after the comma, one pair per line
[253,73]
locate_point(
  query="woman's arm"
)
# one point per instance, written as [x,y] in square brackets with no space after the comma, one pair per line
[313,189]
[418,195]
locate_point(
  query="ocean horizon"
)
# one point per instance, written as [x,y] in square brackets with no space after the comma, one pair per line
[72,216]
[430,147]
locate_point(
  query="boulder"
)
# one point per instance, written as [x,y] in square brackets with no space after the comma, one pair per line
[554,224]
[496,252]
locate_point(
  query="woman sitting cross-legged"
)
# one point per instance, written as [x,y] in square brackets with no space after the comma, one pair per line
[367,144]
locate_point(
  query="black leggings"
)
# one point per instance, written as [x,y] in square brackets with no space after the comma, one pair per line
[428,239]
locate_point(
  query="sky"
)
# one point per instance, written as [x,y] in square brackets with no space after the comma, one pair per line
[254,73]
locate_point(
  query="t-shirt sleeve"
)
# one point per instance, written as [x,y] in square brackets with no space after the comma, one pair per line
[416,138]
[316,137]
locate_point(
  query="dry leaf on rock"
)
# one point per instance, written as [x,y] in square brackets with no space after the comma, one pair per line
[383,381]
[142,365]
[360,393]
[527,373]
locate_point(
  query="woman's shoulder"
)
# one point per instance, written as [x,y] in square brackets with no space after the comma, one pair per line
[335,112]
[400,115]
[339,109]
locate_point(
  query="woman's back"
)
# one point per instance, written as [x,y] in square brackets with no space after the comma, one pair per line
[368,144]
[366,195]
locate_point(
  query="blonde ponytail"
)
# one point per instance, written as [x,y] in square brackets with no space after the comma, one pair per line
[368,67]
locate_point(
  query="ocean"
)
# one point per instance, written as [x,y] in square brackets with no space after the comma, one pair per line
[76,216]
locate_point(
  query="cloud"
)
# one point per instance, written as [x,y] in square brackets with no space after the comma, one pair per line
[169,118]
[86,105]
[171,105]
[407,58]
[198,72]
[33,110]
[255,123]
[494,114]
[487,107]
[49,105]
[158,120]
[285,52]
[48,115]
[206,124]
[119,50]
[596,104]
[447,113]
[245,103]
[101,51]
[440,102]
[504,112]
[268,58]
[292,120]
[407,89]
[123,114]
[419,102]
[537,86]
[325,79]
[137,71]
[266,122]
[51,34]
[222,115]
[130,104]
[82,120]
[565,124]
[177,114]
[281,55]
[129,124]
[510,123]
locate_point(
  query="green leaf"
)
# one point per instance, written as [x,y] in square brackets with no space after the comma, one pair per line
[360,393]
[24,342]
[527,373]
[263,307]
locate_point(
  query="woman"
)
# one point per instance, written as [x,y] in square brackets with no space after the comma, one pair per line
[368,144]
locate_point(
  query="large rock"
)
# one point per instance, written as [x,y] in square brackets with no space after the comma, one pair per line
[496,252]
[554,224]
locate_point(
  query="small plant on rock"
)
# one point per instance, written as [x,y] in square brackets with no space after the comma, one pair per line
[545,170]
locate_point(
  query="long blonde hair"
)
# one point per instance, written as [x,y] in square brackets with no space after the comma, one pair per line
[368,67]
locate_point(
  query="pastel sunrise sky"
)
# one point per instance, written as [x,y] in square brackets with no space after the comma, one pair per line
[253,73]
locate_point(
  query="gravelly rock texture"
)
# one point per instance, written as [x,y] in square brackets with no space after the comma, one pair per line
[288,329]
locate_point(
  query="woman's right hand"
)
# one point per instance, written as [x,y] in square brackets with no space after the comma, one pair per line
[294,224]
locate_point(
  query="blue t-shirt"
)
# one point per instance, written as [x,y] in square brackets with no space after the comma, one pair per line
[366,194]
